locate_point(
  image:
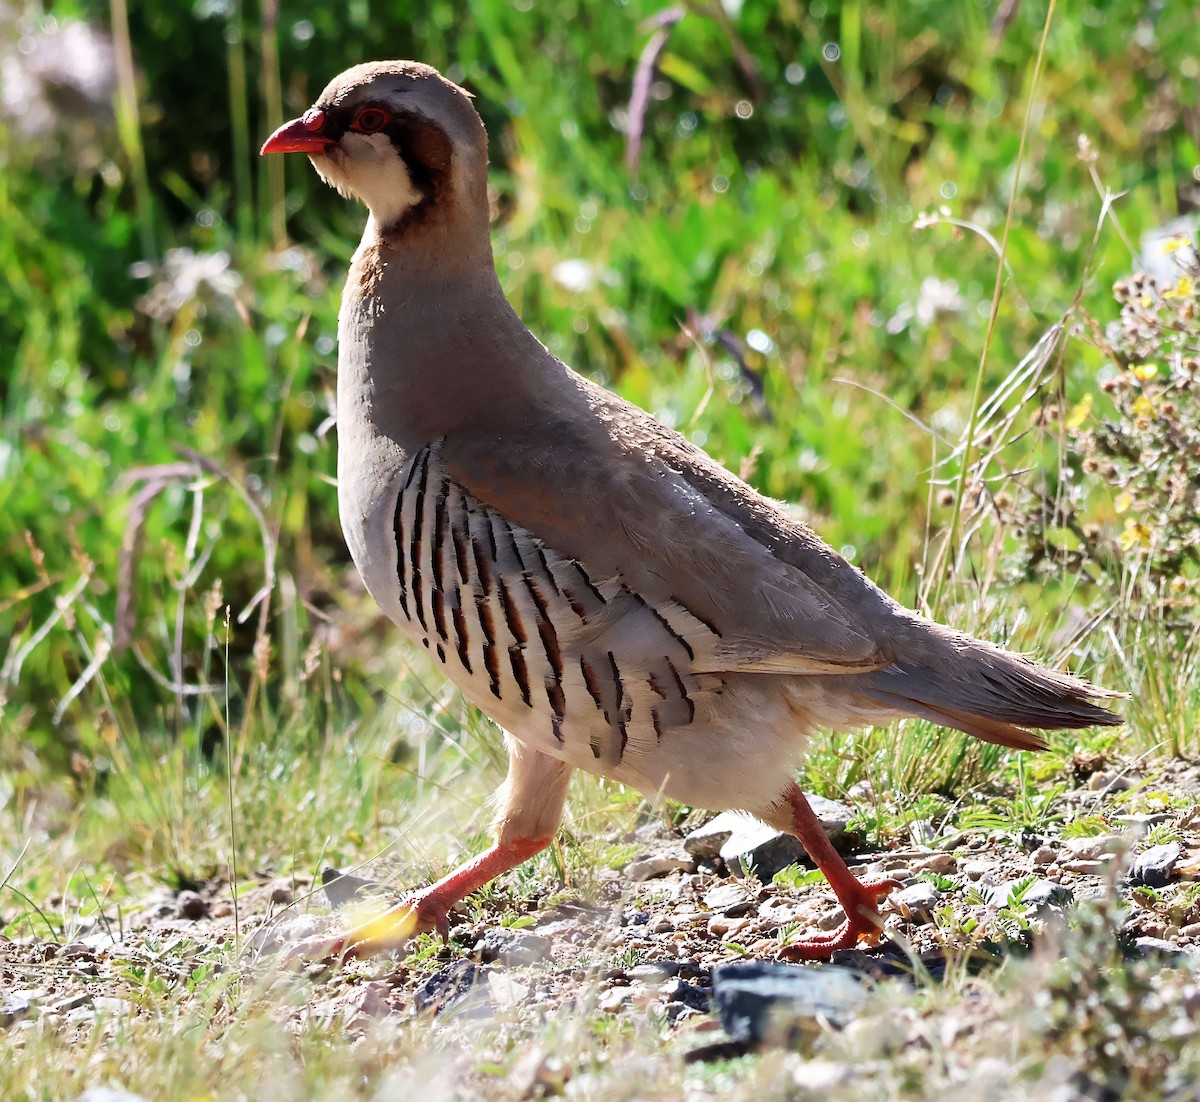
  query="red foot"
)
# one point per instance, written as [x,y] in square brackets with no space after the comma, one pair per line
[863,922]
[421,913]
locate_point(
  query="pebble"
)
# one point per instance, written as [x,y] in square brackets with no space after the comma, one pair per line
[976,870]
[917,902]
[13,1009]
[512,947]
[657,972]
[506,991]
[363,1004]
[944,864]
[613,999]
[705,842]
[1112,782]
[1042,856]
[282,894]
[1152,868]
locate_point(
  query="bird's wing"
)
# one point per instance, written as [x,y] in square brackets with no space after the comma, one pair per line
[630,500]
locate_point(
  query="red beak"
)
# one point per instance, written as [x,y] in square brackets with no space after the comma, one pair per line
[302,135]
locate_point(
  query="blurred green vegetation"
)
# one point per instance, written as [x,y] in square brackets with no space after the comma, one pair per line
[165,448]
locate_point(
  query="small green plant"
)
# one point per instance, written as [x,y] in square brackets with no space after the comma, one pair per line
[1086,826]
[797,876]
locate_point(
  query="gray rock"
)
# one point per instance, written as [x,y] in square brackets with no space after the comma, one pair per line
[1152,868]
[13,1009]
[1041,893]
[659,864]
[977,870]
[705,842]
[513,947]
[733,835]
[763,851]
[1096,848]
[729,899]
[758,1000]
[1149,946]
[917,902]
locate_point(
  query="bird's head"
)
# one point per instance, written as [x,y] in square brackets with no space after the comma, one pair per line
[401,138]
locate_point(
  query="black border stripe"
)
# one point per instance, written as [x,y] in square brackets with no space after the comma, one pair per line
[414,547]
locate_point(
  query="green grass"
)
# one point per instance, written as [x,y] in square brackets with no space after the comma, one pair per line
[194,682]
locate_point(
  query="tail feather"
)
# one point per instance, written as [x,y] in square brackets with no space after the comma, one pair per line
[995,696]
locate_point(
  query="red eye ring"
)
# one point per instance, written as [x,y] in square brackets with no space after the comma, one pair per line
[369,120]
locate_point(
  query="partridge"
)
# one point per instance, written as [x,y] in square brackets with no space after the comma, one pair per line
[607,593]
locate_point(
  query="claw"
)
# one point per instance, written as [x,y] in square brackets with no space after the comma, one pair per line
[863,923]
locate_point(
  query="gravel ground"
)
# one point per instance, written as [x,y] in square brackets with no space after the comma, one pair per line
[645,946]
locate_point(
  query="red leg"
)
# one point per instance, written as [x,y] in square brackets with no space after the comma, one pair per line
[426,910]
[531,802]
[863,920]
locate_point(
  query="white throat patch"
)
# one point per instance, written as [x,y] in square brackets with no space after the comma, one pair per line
[368,168]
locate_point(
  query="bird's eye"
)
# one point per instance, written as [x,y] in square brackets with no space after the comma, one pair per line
[370,119]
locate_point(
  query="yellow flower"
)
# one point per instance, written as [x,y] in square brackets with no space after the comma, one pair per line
[1175,242]
[1135,536]
[1145,371]
[1185,288]
[1123,502]
[1079,412]
[1142,406]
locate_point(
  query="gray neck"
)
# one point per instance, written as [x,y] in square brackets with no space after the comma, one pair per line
[428,342]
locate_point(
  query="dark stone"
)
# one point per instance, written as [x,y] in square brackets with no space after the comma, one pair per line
[689,994]
[449,985]
[343,887]
[762,851]
[756,1000]
[742,841]
[512,947]
[191,905]
[1152,868]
